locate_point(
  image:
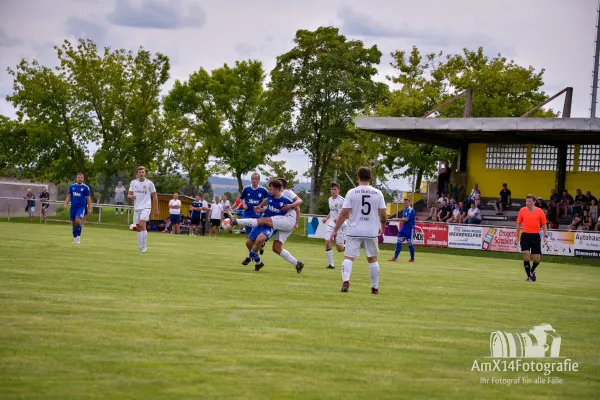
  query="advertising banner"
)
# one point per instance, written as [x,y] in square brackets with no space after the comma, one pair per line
[586,244]
[499,239]
[464,237]
[559,243]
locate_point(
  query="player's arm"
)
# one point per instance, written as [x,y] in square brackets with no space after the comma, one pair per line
[155,202]
[259,208]
[89,204]
[296,204]
[327,217]
[67,200]
[130,195]
[383,219]
[340,220]
[518,227]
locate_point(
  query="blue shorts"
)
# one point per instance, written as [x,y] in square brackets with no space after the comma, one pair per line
[77,212]
[266,230]
[248,229]
[175,219]
[405,234]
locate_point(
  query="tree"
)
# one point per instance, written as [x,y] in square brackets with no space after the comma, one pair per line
[207,190]
[319,85]
[277,169]
[227,109]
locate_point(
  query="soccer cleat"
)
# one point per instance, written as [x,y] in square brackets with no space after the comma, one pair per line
[330,267]
[411,260]
[299,266]
[374,291]
[345,286]
[529,279]
[257,267]
[533,277]
[246,261]
[393,259]
[143,249]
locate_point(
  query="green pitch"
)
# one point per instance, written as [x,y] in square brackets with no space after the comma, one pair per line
[186,320]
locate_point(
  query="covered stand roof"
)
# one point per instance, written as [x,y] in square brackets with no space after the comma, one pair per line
[452,132]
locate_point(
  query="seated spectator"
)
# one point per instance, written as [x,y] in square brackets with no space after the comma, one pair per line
[473,215]
[554,202]
[566,201]
[575,222]
[452,204]
[445,212]
[435,209]
[580,202]
[590,197]
[586,222]
[594,210]
[541,204]
[165,227]
[474,197]
[503,201]
[457,214]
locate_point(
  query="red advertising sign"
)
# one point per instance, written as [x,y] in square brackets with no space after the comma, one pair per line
[431,235]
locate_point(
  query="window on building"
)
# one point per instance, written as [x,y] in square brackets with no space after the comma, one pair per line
[570,157]
[506,156]
[589,157]
[544,157]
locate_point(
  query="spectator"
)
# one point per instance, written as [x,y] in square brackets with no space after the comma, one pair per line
[226,204]
[44,198]
[566,202]
[119,196]
[503,201]
[594,210]
[452,204]
[445,212]
[457,214]
[473,215]
[575,222]
[554,202]
[597,227]
[586,222]
[436,208]
[216,215]
[590,197]
[443,179]
[474,197]
[541,204]
[203,215]
[175,213]
[196,209]
[30,197]
[580,202]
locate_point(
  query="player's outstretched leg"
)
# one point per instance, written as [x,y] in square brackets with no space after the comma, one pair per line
[411,248]
[278,249]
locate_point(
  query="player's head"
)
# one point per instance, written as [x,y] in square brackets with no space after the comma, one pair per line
[224,197]
[255,179]
[530,200]
[364,175]
[197,197]
[217,199]
[284,182]
[334,188]
[406,202]
[275,187]
[175,195]
[141,172]
[79,178]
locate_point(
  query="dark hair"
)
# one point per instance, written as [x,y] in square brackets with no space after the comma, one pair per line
[504,184]
[276,183]
[334,185]
[531,196]
[364,174]
[283,182]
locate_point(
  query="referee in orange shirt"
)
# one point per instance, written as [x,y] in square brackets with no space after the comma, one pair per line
[531,218]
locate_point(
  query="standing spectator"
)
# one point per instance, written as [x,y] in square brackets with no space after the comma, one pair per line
[44,198]
[474,197]
[226,204]
[445,212]
[119,196]
[196,209]
[586,222]
[175,213]
[594,210]
[443,179]
[554,202]
[503,201]
[566,202]
[203,215]
[580,202]
[216,214]
[473,215]
[30,197]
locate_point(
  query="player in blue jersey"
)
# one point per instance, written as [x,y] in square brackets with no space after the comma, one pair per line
[406,232]
[276,206]
[253,196]
[79,196]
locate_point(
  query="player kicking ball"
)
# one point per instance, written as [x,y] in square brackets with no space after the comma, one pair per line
[406,233]
[365,207]
[336,202]
[79,196]
[277,207]
[142,192]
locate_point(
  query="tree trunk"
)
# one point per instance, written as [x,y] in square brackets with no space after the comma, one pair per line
[104,194]
[240,184]
[418,180]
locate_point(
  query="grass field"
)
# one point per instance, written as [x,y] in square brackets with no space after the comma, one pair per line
[186,320]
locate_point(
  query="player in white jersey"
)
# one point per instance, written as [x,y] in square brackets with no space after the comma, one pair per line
[365,207]
[142,191]
[336,203]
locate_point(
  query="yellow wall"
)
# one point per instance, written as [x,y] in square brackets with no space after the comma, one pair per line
[522,182]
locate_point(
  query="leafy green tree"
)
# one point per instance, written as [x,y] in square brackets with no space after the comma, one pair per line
[208,192]
[228,111]
[277,169]
[318,86]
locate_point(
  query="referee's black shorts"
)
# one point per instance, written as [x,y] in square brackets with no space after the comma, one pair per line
[531,242]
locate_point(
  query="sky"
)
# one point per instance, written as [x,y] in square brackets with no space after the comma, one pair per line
[556,35]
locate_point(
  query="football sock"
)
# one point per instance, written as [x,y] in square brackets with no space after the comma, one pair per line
[254,256]
[412,251]
[144,237]
[374,272]
[74,231]
[398,249]
[527,268]
[78,229]
[534,266]
[346,270]
[288,257]
[329,253]
[248,221]
[140,240]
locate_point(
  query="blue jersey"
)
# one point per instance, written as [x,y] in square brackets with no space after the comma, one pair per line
[411,215]
[274,206]
[79,194]
[253,197]
[196,214]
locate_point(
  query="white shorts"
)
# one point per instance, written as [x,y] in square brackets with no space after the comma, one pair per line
[141,215]
[340,238]
[284,222]
[353,245]
[282,236]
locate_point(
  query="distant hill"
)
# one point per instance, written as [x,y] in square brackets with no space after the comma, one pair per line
[221,185]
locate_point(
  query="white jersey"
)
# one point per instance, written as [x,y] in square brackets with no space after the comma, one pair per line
[335,208]
[226,205]
[217,210]
[143,194]
[175,211]
[364,203]
[289,193]
[204,205]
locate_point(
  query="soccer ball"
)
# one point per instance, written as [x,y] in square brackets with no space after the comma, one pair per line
[226,224]
[133,227]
